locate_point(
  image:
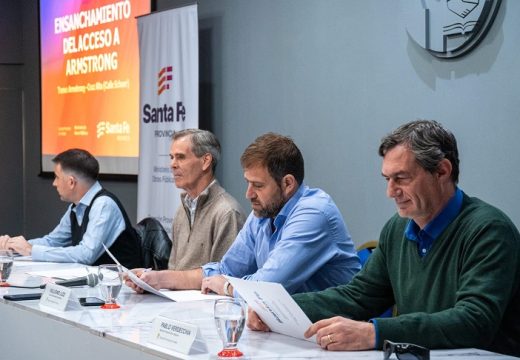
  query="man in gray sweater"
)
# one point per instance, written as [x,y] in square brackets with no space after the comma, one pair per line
[209,219]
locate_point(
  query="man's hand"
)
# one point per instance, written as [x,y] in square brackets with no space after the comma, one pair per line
[20,245]
[167,279]
[214,284]
[339,333]
[255,323]
[3,242]
[149,277]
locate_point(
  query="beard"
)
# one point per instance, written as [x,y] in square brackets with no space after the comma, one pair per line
[271,209]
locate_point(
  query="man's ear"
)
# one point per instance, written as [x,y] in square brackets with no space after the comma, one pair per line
[71,181]
[207,159]
[289,185]
[444,169]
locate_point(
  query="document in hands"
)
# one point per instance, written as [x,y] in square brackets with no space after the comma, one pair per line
[274,306]
[183,295]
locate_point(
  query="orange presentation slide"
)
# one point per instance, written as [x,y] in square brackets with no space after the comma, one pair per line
[90,76]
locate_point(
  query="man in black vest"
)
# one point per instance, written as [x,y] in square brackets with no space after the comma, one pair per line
[94,218]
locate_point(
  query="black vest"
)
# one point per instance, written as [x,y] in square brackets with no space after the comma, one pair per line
[126,248]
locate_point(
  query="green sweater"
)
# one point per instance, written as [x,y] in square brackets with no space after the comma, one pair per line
[463,293]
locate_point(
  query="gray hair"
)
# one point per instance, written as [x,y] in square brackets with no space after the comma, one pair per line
[429,141]
[202,142]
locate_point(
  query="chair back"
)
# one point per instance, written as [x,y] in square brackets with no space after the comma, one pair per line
[365,250]
[155,242]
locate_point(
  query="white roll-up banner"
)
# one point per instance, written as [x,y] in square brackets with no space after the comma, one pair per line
[169,102]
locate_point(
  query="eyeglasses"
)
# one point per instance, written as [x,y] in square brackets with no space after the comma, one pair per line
[405,351]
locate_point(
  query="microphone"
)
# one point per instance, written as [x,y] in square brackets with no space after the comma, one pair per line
[90,280]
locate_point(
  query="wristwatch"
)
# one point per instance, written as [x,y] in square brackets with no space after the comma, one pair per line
[226,288]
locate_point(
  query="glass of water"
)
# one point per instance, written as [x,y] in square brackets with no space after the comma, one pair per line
[110,282]
[230,317]
[6,265]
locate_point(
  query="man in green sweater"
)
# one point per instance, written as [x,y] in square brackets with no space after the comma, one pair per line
[449,262]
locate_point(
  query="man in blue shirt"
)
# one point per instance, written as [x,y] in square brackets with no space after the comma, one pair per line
[94,218]
[294,236]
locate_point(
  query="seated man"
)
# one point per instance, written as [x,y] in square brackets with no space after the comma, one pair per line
[449,262]
[95,217]
[209,219]
[294,236]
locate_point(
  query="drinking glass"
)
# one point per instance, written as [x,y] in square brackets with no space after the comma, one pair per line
[230,317]
[110,282]
[6,264]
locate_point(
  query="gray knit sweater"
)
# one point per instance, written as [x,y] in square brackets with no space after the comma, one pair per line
[218,219]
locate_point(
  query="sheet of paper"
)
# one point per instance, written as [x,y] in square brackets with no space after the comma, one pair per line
[114,258]
[135,279]
[189,295]
[65,274]
[177,295]
[274,305]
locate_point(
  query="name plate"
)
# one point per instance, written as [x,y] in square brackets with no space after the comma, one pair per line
[55,297]
[177,335]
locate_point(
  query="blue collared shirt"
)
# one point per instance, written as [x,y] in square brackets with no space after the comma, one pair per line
[309,250]
[105,224]
[425,237]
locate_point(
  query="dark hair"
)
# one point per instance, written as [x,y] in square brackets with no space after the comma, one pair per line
[80,162]
[278,153]
[202,143]
[429,141]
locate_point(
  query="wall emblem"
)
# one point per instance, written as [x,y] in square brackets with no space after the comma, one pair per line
[449,28]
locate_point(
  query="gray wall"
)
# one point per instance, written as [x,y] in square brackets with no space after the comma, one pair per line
[334,75]
[338,75]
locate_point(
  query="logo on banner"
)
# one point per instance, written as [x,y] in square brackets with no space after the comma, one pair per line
[166,112]
[165,77]
[449,28]
[107,128]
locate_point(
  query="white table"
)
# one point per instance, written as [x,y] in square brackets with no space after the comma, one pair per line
[30,332]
